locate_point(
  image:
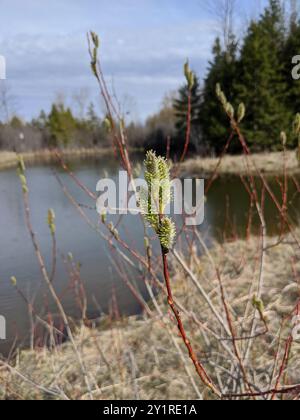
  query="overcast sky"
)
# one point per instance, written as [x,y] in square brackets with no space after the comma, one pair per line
[143,45]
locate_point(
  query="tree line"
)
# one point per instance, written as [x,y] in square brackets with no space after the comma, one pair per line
[255,70]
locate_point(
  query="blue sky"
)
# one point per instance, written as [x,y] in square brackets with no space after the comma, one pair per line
[143,45]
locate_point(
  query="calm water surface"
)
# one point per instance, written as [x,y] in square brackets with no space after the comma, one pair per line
[227,211]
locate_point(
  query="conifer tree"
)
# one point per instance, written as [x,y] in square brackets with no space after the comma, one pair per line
[223,70]
[61,124]
[261,84]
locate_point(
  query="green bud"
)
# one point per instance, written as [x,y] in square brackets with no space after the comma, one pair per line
[113,231]
[218,90]
[230,110]
[94,68]
[21,164]
[186,69]
[115,234]
[283,138]
[221,96]
[108,124]
[103,217]
[241,112]
[23,181]
[51,221]
[258,304]
[95,39]
[148,247]
[21,173]
[146,242]
[25,189]
[149,252]
[51,216]
[95,55]
[13,281]
[122,124]
[189,75]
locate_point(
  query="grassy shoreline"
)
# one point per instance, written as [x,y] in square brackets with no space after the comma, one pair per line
[9,159]
[268,163]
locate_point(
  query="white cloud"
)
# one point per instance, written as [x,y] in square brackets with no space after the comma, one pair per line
[144,53]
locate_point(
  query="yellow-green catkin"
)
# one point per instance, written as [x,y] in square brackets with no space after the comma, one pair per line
[189,75]
[158,195]
[258,304]
[96,43]
[113,231]
[166,233]
[283,139]
[228,108]
[13,281]
[51,221]
[108,125]
[241,112]
[21,173]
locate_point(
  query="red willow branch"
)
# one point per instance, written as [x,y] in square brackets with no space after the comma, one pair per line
[260,209]
[265,183]
[233,335]
[198,366]
[291,390]
[188,127]
[54,257]
[74,177]
[215,172]
[119,139]
[123,275]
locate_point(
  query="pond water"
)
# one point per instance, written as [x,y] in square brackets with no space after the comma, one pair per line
[226,214]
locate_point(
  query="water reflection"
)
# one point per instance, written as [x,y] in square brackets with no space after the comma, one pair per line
[226,213]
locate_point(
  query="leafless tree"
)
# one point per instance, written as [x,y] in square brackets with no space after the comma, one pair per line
[294,6]
[7,102]
[60,98]
[81,101]
[224,11]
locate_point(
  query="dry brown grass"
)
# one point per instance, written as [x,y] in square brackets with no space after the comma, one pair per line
[270,163]
[137,358]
